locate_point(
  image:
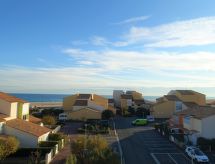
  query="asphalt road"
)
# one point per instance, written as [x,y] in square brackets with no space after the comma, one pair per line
[143,145]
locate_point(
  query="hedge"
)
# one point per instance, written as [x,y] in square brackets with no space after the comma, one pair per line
[205,143]
[55,137]
[25,152]
[48,143]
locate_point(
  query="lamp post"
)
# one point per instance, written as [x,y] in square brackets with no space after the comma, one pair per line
[85,140]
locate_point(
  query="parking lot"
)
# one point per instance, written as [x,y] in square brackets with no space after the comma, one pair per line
[145,145]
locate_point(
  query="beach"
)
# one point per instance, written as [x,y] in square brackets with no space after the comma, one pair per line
[47,104]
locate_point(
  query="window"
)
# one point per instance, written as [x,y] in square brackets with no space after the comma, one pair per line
[24,117]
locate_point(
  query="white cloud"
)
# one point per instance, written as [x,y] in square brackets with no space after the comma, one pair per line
[133,20]
[99,41]
[156,60]
[192,32]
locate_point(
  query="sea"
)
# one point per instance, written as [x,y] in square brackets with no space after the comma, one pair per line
[58,97]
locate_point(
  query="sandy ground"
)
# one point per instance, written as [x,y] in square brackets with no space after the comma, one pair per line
[46,104]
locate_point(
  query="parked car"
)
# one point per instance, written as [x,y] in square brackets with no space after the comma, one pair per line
[62,117]
[150,118]
[139,122]
[196,154]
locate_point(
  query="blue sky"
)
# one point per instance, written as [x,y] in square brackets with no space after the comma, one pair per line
[52,46]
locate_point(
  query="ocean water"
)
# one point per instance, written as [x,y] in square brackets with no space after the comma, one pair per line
[58,97]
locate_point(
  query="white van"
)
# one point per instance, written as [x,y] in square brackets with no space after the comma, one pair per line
[62,117]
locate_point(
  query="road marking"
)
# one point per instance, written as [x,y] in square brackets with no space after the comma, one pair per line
[155,159]
[119,145]
[172,159]
[160,148]
[167,153]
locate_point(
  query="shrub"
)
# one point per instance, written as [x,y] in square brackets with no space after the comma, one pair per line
[56,137]
[8,145]
[48,120]
[35,157]
[204,143]
[126,113]
[93,150]
[107,114]
[131,110]
[81,130]
[71,159]
[48,143]
[157,126]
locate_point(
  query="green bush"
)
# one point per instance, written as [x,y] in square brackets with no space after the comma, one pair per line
[49,120]
[71,159]
[55,137]
[8,145]
[126,113]
[93,150]
[157,126]
[107,114]
[47,143]
[204,143]
[81,130]
[23,152]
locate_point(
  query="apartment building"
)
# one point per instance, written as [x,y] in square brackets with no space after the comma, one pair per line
[175,101]
[196,122]
[189,96]
[166,106]
[84,106]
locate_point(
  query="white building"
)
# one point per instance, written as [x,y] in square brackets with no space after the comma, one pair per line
[197,122]
[16,121]
[117,97]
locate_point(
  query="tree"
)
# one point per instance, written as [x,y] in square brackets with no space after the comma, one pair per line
[56,136]
[93,150]
[107,114]
[49,120]
[35,157]
[131,110]
[8,145]
[142,112]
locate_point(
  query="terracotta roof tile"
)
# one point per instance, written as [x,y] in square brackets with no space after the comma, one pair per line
[27,127]
[10,98]
[34,119]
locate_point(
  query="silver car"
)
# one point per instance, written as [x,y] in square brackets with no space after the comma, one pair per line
[196,154]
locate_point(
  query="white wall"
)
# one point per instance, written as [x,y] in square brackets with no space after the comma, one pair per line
[1,127]
[44,137]
[25,139]
[117,96]
[5,107]
[25,108]
[14,108]
[208,129]
[197,125]
[129,102]
[187,122]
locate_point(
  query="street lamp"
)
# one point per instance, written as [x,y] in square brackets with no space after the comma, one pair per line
[85,140]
